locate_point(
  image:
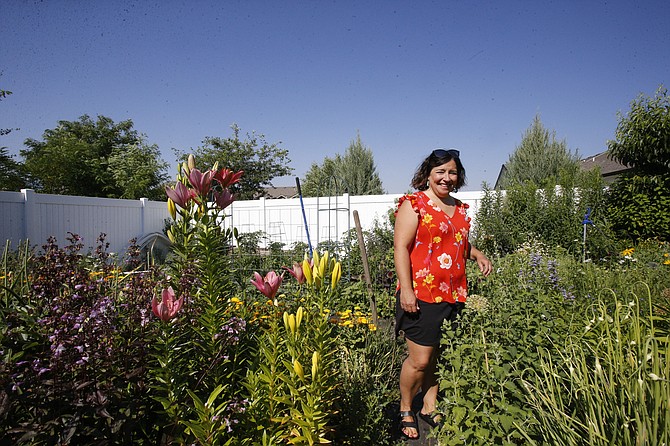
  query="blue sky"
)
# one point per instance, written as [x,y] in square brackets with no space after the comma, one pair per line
[408,76]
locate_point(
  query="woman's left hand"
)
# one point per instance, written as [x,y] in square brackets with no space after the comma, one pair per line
[484,264]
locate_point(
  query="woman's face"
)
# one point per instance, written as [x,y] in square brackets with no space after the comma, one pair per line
[443,179]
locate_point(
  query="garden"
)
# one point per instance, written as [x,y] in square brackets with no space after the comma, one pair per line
[566,343]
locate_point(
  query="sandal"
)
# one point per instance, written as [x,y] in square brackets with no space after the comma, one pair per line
[433,419]
[408,424]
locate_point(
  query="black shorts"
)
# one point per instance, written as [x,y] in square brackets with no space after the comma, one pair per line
[425,326]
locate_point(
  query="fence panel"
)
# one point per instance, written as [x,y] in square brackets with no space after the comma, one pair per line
[33,216]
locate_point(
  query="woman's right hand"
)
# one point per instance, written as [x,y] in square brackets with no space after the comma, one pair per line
[408,301]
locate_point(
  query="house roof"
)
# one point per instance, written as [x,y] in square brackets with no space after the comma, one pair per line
[281,192]
[608,166]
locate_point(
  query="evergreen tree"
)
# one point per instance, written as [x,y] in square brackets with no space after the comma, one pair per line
[354,173]
[539,158]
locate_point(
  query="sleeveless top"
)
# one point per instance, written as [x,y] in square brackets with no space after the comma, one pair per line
[439,252]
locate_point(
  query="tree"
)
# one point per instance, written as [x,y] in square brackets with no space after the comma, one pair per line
[260,161]
[11,176]
[138,171]
[643,135]
[639,202]
[3,95]
[354,173]
[89,158]
[539,157]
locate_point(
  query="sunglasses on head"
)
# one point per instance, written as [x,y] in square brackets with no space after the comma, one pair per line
[441,153]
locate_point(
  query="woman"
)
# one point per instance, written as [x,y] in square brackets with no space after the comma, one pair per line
[431,247]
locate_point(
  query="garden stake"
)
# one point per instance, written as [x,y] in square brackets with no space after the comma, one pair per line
[366,268]
[304,217]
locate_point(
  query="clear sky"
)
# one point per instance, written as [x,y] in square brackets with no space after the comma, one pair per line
[408,76]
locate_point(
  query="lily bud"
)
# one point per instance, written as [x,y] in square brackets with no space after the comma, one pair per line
[323,264]
[297,367]
[172,208]
[191,162]
[286,321]
[298,316]
[336,276]
[307,270]
[291,323]
[315,363]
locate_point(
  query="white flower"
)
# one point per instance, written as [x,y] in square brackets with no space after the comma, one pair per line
[445,261]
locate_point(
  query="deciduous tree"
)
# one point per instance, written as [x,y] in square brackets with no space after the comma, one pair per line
[639,201]
[94,158]
[642,138]
[260,161]
[11,176]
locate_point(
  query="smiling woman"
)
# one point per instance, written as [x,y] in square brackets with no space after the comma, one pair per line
[431,247]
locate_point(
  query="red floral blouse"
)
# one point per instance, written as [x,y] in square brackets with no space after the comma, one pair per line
[440,250]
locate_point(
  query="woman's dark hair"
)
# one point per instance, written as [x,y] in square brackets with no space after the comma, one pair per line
[437,158]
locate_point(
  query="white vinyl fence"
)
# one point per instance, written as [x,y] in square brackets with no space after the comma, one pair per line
[27,215]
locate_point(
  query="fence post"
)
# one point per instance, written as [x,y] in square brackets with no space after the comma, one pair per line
[30,215]
[143,210]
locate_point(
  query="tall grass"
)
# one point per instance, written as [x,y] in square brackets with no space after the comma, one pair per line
[609,383]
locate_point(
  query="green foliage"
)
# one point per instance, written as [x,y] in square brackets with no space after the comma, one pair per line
[370,371]
[533,311]
[260,161]
[354,173]
[289,400]
[3,95]
[538,158]
[138,171]
[484,357]
[638,207]
[11,172]
[643,135]
[553,215]
[609,383]
[94,159]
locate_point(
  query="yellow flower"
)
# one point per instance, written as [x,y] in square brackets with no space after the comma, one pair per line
[438,299]
[372,327]
[427,218]
[458,236]
[437,239]
[667,262]
[627,252]
[428,279]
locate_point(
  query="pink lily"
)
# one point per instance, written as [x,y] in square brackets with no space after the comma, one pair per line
[201,181]
[269,284]
[169,307]
[223,199]
[226,177]
[181,194]
[297,272]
